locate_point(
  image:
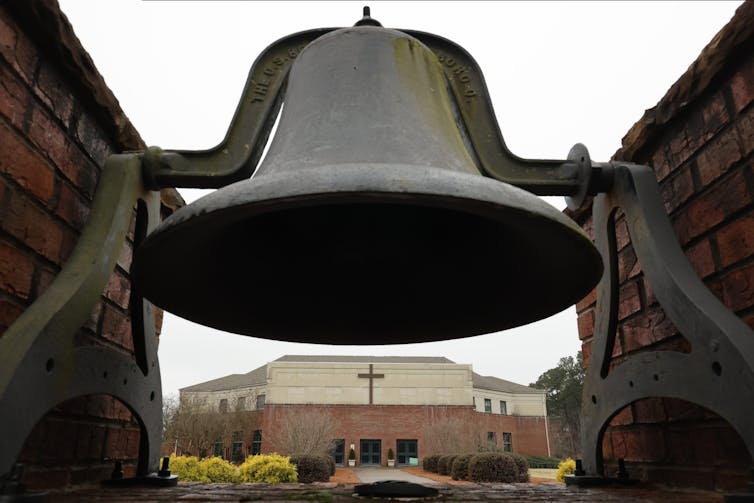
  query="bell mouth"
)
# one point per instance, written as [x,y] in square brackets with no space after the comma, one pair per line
[378,254]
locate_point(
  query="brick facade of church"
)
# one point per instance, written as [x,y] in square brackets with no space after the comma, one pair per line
[432,403]
[389,423]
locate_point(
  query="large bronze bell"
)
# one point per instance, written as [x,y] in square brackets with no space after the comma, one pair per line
[369,221]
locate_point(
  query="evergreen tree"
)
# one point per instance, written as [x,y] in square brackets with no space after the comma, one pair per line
[563,385]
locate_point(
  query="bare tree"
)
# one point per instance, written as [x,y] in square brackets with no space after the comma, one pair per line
[170,406]
[452,435]
[195,429]
[304,432]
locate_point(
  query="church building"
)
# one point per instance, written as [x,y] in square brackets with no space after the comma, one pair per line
[376,403]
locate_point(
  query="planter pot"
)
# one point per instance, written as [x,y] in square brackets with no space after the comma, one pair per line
[351,462]
[391,462]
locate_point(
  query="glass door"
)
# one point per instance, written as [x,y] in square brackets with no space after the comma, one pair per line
[369,452]
[339,452]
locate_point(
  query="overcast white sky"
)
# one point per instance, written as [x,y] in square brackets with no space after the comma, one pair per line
[558,73]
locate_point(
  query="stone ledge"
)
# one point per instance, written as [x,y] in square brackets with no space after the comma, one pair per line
[467,491]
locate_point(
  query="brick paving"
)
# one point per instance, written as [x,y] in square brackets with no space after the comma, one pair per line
[331,492]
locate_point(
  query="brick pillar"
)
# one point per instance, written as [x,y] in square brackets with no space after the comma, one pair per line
[700,141]
[58,123]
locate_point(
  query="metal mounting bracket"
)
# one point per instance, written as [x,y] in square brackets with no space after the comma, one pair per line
[41,365]
[718,372]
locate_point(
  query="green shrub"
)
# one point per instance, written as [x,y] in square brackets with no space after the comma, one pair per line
[311,467]
[187,468]
[445,464]
[483,468]
[493,467]
[219,470]
[331,465]
[508,468]
[270,468]
[566,467]
[542,461]
[522,466]
[430,463]
[460,468]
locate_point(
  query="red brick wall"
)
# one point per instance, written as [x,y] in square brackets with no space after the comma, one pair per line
[58,123]
[700,141]
[392,422]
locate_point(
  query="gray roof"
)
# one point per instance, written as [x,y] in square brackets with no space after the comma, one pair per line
[256,377]
[497,384]
[362,359]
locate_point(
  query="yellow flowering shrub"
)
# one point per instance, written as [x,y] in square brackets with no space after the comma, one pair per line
[565,467]
[219,470]
[270,468]
[187,468]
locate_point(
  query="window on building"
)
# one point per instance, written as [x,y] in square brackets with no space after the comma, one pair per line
[503,407]
[236,451]
[256,443]
[218,448]
[487,405]
[408,452]
[339,451]
[260,401]
[241,403]
[223,405]
[507,442]
[473,401]
[491,437]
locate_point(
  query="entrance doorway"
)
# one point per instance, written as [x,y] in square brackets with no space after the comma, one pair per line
[369,452]
[407,449]
[339,452]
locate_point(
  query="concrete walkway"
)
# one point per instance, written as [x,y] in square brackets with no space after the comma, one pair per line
[375,474]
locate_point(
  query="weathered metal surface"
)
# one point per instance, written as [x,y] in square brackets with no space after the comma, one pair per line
[549,177]
[718,372]
[369,221]
[395,489]
[40,364]
[236,157]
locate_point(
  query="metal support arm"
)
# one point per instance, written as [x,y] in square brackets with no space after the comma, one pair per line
[41,365]
[718,372]
[236,157]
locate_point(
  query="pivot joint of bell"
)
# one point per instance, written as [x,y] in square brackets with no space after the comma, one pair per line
[590,178]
